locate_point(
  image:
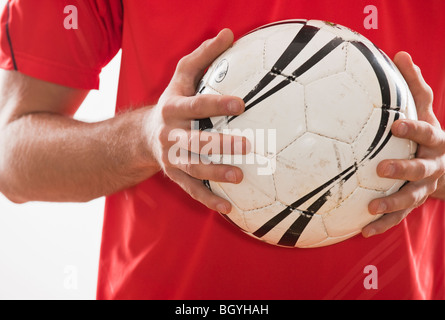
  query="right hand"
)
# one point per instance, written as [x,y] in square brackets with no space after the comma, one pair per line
[178,107]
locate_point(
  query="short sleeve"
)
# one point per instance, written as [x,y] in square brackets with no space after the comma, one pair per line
[67,42]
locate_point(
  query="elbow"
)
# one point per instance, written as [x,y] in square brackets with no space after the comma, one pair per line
[8,193]
[14,199]
[7,184]
[11,196]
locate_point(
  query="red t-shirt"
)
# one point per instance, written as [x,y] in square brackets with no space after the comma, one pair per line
[157,242]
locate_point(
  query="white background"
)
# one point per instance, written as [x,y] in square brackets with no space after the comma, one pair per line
[51,250]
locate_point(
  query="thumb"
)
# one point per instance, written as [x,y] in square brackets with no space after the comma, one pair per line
[191,68]
[421,91]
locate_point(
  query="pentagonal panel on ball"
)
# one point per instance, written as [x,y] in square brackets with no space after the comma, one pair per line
[313,234]
[256,190]
[257,218]
[337,107]
[310,163]
[359,69]
[352,215]
[278,114]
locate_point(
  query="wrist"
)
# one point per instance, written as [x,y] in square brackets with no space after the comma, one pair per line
[143,148]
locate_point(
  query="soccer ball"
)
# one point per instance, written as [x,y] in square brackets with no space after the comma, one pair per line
[320,101]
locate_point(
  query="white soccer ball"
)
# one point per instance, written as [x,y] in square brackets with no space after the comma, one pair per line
[320,101]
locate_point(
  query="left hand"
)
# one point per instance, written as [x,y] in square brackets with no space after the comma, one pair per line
[422,172]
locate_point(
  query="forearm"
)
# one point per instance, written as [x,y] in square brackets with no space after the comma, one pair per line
[49,157]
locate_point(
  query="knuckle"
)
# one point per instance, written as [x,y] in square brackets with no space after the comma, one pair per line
[168,107]
[431,189]
[163,135]
[430,134]
[166,111]
[428,94]
[400,217]
[221,102]
[205,45]
[428,131]
[169,172]
[410,200]
[182,63]
[165,159]
[195,106]
[417,198]
[189,169]
[421,170]
[423,199]
[194,193]
[399,167]
[418,71]
[397,217]
[440,171]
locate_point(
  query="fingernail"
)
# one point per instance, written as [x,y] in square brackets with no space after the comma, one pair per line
[382,207]
[239,145]
[222,208]
[234,106]
[389,170]
[230,176]
[402,129]
[370,233]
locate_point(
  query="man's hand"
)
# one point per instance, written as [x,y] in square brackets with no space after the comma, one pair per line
[177,108]
[46,155]
[425,172]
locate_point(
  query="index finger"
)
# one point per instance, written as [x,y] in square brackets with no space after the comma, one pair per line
[203,106]
[419,131]
[421,91]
